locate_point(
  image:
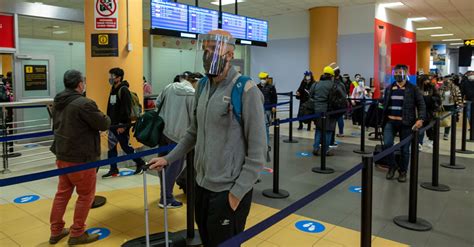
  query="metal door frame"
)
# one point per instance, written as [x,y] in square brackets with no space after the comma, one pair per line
[19,77]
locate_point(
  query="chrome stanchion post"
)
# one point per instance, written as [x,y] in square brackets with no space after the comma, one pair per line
[412,222]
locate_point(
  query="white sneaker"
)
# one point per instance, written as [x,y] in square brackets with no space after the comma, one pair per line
[429,144]
[420,147]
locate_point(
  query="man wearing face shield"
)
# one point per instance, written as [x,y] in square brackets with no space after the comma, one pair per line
[404,110]
[229,153]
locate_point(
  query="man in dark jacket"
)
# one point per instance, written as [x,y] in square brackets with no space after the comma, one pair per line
[118,109]
[404,110]
[467,90]
[76,124]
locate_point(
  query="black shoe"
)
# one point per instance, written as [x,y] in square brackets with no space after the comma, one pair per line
[309,128]
[111,173]
[316,152]
[390,173]
[402,178]
[300,127]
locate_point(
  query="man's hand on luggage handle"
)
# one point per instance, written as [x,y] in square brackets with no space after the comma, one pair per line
[157,163]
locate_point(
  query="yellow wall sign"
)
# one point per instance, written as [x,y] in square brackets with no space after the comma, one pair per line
[28,69]
[469,42]
[103,39]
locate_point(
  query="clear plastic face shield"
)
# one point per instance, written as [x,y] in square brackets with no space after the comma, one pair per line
[400,74]
[213,53]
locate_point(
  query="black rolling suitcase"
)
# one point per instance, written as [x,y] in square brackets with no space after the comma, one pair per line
[383,163]
[162,239]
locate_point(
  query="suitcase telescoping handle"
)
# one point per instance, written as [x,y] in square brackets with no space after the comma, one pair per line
[165,206]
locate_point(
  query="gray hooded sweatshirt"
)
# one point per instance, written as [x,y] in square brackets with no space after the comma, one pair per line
[228,155]
[177,109]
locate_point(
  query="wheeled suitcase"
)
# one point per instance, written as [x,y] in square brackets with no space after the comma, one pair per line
[162,239]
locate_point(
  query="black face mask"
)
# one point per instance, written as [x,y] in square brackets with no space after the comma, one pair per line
[212,69]
[398,78]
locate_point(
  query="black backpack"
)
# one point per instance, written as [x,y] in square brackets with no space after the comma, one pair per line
[337,100]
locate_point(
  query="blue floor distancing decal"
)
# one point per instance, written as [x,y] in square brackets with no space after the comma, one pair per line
[355,189]
[126,173]
[26,199]
[310,226]
[303,154]
[103,232]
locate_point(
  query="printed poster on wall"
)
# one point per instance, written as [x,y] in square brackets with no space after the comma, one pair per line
[106,14]
[36,77]
[393,45]
[438,52]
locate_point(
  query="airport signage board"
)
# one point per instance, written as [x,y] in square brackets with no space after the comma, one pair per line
[106,14]
[104,45]
[7,31]
[36,77]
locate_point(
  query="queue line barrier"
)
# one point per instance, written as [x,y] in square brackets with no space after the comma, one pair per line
[366,167]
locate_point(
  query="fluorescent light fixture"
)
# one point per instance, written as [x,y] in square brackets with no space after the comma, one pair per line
[39,3]
[428,28]
[456,44]
[227,2]
[246,42]
[394,4]
[55,27]
[188,35]
[445,40]
[442,35]
[59,32]
[418,19]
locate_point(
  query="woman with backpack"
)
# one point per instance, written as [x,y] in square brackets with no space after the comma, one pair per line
[303,96]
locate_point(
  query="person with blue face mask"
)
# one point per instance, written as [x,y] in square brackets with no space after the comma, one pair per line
[118,109]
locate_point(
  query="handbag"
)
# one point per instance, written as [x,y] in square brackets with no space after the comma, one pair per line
[148,128]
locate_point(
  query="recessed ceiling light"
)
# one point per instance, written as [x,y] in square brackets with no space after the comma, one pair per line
[456,44]
[418,19]
[55,27]
[442,35]
[451,40]
[428,28]
[394,4]
[227,2]
[39,3]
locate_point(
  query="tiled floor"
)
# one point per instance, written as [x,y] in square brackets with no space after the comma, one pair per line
[27,224]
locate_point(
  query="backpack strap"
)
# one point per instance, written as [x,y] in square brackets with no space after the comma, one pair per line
[236,96]
[201,85]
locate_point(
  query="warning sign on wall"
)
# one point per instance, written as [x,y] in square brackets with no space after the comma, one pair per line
[36,77]
[106,14]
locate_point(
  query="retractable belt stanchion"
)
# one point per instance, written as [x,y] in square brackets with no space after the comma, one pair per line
[362,131]
[471,123]
[452,157]
[434,185]
[463,149]
[276,192]
[4,144]
[323,169]
[290,134]
[377,134]
[190,234]
[366,203]
[412,222]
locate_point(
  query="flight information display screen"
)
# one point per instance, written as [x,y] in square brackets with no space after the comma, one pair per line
[235,24]
[202,20]
[169,15]
[257,30]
